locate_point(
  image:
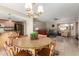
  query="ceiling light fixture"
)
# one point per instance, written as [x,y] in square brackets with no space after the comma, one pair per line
[32,11]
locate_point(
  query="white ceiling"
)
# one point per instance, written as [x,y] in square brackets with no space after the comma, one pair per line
[51,10]
[59,10]
[15,6]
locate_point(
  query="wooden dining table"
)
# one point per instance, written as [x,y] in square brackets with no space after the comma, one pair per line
[26,43]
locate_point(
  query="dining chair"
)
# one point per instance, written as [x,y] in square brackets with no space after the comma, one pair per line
[47,51]
[52,46]
[23,53]
[8,49]
[44,52]
[7,42]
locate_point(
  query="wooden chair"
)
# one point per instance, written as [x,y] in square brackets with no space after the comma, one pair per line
[8,49]
[44,52]
[23,53]
[52,48]
[7,42]
[47,51]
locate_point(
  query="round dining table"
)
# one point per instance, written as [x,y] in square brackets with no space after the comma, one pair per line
[26,43]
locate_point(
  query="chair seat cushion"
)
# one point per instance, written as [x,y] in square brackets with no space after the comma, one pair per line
[23,53]
[44,52]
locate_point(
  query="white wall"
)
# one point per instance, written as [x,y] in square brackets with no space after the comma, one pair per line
[49,25]
[39,24]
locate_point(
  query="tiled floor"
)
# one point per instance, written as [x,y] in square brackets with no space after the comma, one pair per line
[65,46]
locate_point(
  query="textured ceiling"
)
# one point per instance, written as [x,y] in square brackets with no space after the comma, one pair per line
[15,6]
[51,10]
[59,10]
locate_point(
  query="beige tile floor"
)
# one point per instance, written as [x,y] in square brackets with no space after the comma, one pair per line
[65,46]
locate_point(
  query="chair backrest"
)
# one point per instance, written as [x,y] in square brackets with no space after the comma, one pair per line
[52,47]
[48,50]
[9,50]
[8,36]
[44,52]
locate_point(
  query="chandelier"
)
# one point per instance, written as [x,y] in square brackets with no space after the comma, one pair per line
[32,11]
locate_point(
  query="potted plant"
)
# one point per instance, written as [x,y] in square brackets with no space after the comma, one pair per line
[34,36]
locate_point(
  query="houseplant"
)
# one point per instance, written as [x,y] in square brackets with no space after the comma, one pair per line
[34,36]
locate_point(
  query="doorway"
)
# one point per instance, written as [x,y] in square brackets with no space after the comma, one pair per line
[19,27]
